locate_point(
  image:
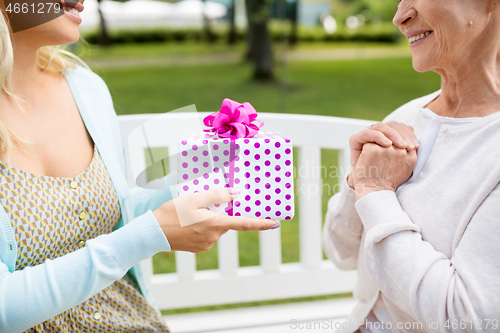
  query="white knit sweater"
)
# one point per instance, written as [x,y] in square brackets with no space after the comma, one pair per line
[431,250]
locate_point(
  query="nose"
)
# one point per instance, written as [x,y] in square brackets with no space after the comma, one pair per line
[403,16]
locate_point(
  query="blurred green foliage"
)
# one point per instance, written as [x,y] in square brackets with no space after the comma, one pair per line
[373,10]
[379,32]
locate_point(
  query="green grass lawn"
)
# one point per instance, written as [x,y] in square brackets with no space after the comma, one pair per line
[368,89]
[196,48]
[156,49]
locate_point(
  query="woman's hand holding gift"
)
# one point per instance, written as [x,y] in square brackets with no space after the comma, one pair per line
[189,226]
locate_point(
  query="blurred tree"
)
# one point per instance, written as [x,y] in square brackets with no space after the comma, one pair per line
[259,41]
[206,24]
[104,36]
[232,23]
[294,20]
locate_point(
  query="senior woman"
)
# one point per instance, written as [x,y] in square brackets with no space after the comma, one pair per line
[419,214]
[71,232]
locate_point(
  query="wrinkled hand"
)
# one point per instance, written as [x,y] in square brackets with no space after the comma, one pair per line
[386,134]
[189,226]
[382,168]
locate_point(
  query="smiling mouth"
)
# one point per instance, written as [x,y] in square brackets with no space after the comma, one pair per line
[72,7]
[416,38]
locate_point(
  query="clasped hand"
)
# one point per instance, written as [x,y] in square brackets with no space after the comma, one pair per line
[382,157]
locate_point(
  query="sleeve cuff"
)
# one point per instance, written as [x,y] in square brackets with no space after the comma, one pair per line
[381,207]
[342,211]
[343,229]
[139,239]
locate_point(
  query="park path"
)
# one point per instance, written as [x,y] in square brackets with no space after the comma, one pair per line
[224,58]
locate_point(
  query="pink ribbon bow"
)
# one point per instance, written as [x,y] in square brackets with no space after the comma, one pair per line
[233,120]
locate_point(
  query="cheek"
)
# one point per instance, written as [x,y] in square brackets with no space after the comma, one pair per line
[452,30]
[447,34]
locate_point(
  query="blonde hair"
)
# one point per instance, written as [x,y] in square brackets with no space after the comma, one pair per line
[49,58]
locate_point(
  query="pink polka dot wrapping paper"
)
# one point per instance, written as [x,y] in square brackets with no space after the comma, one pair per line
[262,170]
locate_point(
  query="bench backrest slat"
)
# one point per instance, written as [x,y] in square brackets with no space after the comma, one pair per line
[272,279]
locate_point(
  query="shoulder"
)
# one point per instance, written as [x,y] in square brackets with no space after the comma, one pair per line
[95,104]
[87,83]
[407,112]
[90,90]
[85,75]
[92,97]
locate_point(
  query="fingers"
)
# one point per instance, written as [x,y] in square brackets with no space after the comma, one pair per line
[240,223]
[392,134]
[367,136]
[191,209]
[215,196]
[407,132]
[400,134]
[412,159]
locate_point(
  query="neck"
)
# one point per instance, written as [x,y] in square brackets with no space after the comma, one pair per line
[25,74]
[474,92]
[471,86]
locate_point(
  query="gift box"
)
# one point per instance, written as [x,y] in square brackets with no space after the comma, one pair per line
[258,163]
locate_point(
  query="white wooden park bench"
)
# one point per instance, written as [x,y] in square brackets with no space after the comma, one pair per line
[272,279]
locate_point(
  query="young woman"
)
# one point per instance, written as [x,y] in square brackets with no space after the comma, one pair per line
[71,232]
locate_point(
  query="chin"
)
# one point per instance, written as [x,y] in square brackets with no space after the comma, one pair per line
[420,65]
[70,39]
[59,31]
[62,40]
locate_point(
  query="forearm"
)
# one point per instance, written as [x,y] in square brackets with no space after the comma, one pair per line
[421,281]
[35,294]
[342,230]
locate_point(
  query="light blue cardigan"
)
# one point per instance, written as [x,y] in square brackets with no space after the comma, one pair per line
[35,294]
